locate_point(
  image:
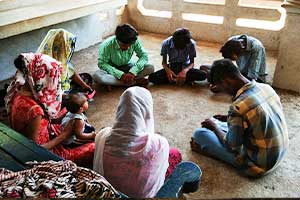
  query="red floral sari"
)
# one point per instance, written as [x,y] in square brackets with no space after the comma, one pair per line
[24,109]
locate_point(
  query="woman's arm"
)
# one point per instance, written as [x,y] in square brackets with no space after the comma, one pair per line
[32,131]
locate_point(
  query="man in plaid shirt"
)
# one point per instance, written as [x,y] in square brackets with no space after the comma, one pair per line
[255,138]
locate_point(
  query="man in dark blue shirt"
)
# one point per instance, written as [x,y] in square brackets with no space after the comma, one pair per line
[181,50]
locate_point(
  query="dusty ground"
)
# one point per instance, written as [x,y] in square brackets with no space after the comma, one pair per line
[179,110]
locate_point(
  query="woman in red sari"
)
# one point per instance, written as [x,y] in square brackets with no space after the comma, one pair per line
[34,101]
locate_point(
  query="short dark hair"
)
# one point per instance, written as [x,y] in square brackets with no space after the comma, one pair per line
[75,101]
[126,33]
[19,63]
[182,37]
[221,69]
[231,47]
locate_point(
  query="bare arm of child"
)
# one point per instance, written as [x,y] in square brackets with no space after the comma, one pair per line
[78,127]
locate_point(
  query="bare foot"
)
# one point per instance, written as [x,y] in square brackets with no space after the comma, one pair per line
[196,147]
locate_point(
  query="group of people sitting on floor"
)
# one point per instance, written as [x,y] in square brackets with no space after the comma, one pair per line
[253,136]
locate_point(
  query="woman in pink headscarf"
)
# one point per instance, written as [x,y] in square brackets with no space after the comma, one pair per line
[33,101]
[130,155]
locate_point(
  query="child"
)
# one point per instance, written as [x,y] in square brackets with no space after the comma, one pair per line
[181,50]
[82,131]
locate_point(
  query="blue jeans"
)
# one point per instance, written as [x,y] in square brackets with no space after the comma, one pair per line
[209,143]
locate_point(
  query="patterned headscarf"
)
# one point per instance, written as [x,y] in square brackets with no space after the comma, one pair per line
[60,45]
[43,75]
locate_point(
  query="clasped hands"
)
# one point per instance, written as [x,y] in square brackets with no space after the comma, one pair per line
[128,78]
[179,78]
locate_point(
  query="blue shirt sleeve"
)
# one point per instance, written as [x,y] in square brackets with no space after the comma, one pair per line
[164,48]
[192,51]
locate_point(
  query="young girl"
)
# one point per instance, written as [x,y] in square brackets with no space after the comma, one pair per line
[82,131]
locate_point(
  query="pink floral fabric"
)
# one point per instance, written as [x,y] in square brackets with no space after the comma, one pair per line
[43,74]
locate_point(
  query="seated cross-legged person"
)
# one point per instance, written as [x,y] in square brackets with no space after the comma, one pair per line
[181,50]
[249,54]
[60,45]
[115,59]
[33,102]
[255,138]
[134,159]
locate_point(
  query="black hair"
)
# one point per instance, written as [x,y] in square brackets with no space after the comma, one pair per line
[19,63]
[75,101]
[182,37]
[233,46]
[222,69]
[126,33]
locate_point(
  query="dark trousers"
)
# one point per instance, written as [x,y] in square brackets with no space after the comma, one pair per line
[160,77]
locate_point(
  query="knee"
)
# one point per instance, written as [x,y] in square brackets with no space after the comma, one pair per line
[201,135]
[149,68]
[152,78]
[96,76]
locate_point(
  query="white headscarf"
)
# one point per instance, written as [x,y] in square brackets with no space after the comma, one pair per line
[133,135]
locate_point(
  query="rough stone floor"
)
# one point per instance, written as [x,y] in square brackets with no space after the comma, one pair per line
[179,110]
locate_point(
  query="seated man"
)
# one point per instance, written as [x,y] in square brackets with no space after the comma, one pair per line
[250,56]
[256,138]
[181,51]
[115,54]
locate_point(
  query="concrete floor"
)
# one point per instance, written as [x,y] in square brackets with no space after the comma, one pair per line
[179,110]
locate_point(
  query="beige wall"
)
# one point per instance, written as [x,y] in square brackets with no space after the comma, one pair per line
[90,29]
[287,73]
[230,11]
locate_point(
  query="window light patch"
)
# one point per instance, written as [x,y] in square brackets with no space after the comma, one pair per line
[263,24]
[271,4]
[120,11]
[102,16]
[214,2]
[212,19]
[151,12]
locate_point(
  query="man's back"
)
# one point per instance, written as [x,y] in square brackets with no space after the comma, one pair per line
[264,137]
[252,62]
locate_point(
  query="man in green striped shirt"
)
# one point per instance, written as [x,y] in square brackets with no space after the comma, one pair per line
[116,66]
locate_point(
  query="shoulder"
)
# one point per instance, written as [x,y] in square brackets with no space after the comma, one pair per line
[108,41]
[26,103]
[255,43]
[253,97]
[168,41]
[138,43]
[192,44]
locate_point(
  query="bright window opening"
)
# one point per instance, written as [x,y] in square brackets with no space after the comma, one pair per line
[214,2]
[273,4]
[263,24]
[151,12]
[203,18]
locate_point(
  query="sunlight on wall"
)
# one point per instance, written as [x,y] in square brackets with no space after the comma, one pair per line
[275,4]
[272,5]
[151,12]
[262,24]
[103,16]
[203,18]
[214,2]
[120,11]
